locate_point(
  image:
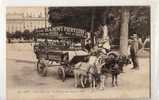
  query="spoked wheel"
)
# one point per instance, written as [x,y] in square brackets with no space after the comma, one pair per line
[41,68]
[61,73]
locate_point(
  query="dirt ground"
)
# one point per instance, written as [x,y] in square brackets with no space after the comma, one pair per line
[24,83]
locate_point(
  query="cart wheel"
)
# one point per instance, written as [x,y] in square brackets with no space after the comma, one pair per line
[61,73]
[41,68]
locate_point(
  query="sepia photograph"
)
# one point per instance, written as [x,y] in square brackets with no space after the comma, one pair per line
[80,52]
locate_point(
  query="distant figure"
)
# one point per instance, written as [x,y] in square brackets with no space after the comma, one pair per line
[88,45]
[46,41]
[88,42]
[133,51]
[9,40]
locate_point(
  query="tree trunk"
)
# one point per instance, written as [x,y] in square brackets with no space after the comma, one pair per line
[92,27]
[124,32]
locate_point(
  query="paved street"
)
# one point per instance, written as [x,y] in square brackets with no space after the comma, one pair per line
[24,83]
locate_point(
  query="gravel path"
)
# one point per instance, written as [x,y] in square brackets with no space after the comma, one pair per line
[24,83]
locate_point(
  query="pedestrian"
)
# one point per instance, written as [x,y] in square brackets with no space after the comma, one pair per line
[133,52]
[88,45]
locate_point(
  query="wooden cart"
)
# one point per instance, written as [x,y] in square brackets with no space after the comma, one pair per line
[61,45]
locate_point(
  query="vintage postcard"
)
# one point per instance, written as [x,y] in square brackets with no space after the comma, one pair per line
[89,52]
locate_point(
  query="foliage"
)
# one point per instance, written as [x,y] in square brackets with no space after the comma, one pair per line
[139,22]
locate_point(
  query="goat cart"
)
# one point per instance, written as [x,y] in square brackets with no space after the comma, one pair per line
[59,46]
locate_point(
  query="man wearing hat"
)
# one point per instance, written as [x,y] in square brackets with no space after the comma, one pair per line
[133,51]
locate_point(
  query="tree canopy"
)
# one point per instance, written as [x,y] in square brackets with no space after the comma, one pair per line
[80,17]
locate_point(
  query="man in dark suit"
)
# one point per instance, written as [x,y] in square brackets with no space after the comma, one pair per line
[133,52]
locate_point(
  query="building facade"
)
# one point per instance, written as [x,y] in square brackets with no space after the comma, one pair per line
[26,18]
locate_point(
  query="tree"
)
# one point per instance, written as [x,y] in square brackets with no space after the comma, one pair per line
[78,17]
[138,20]
[124,31]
